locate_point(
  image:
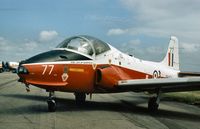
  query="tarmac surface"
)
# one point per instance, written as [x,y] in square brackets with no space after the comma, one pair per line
[22,110]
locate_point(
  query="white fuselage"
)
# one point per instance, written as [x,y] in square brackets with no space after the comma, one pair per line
[130,62]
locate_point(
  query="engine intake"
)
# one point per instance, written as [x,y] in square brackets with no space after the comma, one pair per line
[108,77]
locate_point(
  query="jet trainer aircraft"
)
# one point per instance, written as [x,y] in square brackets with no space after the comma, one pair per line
[86,65]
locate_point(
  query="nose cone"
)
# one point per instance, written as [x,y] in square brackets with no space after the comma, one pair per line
[22,71]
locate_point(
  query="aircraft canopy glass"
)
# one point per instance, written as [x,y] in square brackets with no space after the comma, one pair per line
[85,44]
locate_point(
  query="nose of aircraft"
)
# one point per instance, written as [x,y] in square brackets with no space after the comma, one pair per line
[22,71]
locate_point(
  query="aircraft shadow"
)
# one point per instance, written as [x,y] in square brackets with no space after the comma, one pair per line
[64,105]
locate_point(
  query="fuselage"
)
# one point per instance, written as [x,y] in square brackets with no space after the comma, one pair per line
[86,64]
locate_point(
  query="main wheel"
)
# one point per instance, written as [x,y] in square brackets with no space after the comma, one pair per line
[80,98]
[152,105]
[51,105]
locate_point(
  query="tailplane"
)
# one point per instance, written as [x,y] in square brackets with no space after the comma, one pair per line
[172,57]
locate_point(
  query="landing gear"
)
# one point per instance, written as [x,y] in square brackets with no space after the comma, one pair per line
[80,98]
[51,102]
[153,103]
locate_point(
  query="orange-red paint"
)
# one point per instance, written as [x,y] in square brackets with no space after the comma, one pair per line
[81,77]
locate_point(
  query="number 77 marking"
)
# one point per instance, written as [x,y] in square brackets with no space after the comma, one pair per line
[45,69]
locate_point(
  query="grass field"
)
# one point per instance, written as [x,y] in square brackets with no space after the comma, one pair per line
[192,97]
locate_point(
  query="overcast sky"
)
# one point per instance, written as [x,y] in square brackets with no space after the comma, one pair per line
[139,27]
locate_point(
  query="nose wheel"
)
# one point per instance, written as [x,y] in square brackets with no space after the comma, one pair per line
[51,102]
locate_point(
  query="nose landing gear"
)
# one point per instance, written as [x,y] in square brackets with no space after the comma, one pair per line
[51,102]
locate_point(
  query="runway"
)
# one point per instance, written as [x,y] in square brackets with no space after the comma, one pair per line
[22,110]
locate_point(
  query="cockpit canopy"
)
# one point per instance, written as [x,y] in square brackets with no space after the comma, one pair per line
[85,44]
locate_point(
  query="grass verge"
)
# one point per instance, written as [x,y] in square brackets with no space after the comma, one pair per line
[192,97]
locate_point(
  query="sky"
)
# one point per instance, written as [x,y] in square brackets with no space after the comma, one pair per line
[138,27]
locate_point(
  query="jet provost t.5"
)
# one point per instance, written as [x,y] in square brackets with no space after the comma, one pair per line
[86,65]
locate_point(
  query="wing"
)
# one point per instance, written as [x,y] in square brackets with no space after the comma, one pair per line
[163,84]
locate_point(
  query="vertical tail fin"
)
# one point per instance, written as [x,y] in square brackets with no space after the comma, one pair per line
[172,57]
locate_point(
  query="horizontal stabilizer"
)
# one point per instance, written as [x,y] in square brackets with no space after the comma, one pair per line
[189,74]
